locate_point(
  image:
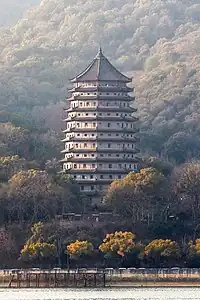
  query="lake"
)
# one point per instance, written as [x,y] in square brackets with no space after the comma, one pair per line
[98,294]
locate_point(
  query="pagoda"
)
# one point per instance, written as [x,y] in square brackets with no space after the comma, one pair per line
[99,139]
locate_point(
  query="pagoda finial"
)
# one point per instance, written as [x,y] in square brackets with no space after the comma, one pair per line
[100,53]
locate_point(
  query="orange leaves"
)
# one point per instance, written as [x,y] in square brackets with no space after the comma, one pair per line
[118,243]
[80,248]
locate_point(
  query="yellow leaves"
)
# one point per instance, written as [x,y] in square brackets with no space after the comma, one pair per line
[147,176]
[194,248]
[7,159]
[31,182]
[147,182]
[118,243]
[165,248]
[80,248]
[37,251]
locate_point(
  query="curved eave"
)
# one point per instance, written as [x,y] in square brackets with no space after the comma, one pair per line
[122,130]
[101,109]
[101,118]
[78,79]
[97,150]
[101,139]
[101,97]
[99,160]
[97,69]
[101,89]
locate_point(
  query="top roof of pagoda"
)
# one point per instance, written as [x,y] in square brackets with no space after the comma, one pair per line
[101,69]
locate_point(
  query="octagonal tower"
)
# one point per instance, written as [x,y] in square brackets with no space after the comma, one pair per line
[100,142]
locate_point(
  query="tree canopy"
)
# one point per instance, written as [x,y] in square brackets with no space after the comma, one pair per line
[156,42]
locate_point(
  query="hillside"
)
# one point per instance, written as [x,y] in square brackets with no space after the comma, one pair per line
[13,10]
[155,41]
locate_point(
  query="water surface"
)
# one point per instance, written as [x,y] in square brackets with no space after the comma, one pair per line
[105,294]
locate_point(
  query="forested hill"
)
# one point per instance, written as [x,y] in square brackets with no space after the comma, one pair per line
[12,10]
[155,41]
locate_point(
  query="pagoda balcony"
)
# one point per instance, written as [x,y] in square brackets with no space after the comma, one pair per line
[85,89]
[101,118]
[95,181]
[115,139]
[102,108]
[98,171]
[132,130]
[115,159]
[97,129]
[118,108]
[114,150]
[69,118]
[76,129]
[84,138]
[84,150]
[81,150]
[68,139]
[116,97]
[129,139]
[82,159]
[101,97]
[67,150]
[82,170]
[129,119]
[101,139]
[118,130]
[100,159]
[86,180]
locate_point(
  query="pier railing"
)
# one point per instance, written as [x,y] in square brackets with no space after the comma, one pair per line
[83,277]
[51,279]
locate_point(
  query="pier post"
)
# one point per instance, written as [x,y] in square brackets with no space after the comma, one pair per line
[55,279]
[85,280]
[104,280]
[95,280]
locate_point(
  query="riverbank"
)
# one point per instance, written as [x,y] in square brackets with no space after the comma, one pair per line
[163,284]
[58,278]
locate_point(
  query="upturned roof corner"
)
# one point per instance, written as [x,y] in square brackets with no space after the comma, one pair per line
[100,69]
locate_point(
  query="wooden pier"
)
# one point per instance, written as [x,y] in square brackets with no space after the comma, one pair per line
[61,279]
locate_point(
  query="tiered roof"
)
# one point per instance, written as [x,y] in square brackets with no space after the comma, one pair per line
[101,69]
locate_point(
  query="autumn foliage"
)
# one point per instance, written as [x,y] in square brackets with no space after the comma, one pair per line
[160,249]
[139,195]
[36,248]
[79,249]
[118,243]
[38,251]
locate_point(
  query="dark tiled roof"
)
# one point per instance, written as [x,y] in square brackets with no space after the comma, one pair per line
[102,70]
